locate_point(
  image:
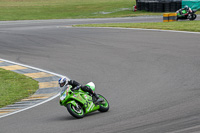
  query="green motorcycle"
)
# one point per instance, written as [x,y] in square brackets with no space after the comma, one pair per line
[186,15]
[80,103]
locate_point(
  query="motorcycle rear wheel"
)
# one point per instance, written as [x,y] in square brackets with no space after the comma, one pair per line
[104,107]
[74,111]
[193,17]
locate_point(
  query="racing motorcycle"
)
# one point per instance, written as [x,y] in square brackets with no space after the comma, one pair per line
[80,103]
[187,15]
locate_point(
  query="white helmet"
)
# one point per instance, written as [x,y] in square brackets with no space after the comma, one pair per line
[186,7]
[63,81]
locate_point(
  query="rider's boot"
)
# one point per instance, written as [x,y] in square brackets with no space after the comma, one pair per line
[97,98]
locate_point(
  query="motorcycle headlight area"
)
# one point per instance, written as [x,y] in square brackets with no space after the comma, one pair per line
[63,96]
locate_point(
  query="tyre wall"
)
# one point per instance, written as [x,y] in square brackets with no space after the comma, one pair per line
[159,5]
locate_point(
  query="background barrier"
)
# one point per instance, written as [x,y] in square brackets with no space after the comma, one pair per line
[193,4]
[172,17]
[166,17]
[159,5]
[169,17]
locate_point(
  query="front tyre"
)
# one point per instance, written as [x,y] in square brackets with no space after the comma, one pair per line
[77,112]
[104,106]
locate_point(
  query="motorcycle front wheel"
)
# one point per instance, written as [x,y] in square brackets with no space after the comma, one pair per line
[77,112]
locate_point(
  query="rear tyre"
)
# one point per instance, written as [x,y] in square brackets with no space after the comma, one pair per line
[104,106]
[74,111]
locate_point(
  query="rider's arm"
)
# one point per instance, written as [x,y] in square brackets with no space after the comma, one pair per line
[190,10]
[74,83]
[178,10]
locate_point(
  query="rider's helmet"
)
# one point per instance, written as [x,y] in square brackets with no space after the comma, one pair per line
[186,7]
[62,81]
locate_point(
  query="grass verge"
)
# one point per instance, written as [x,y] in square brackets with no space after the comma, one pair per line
[14,87]
[62,9]
[193,26]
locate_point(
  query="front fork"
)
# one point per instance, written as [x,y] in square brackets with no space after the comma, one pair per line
[75,104]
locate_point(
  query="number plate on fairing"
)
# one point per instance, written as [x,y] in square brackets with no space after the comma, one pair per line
[63,97]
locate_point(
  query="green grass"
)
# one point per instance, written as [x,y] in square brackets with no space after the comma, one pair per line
[61,9]
[193,26]
[14,87]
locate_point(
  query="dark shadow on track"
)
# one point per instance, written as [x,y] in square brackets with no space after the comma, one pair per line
[68,117]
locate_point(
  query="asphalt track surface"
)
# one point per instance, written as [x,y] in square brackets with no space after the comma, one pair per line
[150,78]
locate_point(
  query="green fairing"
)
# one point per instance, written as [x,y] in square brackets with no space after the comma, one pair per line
[72,102]
[79,103]
[183,12]
[80,97]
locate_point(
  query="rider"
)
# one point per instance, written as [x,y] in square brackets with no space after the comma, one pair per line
[63,82]
[185,8]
